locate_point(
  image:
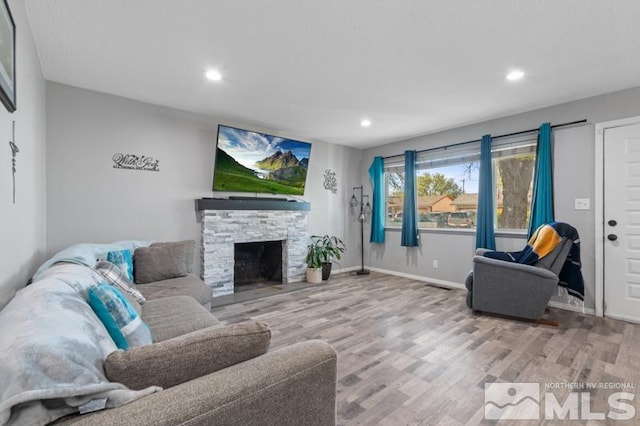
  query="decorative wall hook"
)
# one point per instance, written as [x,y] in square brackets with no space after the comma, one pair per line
[14,151]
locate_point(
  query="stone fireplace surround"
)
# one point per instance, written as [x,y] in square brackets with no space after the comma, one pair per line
[226,222]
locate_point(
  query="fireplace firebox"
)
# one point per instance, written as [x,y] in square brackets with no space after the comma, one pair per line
[257,264]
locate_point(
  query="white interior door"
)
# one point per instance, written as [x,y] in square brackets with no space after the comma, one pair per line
[622,222]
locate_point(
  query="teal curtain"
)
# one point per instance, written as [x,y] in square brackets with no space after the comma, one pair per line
[542,199]
[409,210]
[376,173]
[485,234]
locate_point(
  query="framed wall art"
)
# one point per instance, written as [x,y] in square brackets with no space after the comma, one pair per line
[7,57]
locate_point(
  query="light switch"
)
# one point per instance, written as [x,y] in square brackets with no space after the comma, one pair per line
[582,204]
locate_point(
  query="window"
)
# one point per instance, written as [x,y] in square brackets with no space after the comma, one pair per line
[447,185]
[513,166]
[394,197]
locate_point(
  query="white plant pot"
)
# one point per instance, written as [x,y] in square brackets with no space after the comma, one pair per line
[314,275]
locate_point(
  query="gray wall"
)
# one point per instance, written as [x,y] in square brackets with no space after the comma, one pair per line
[574,154]
[22,225]
[90,201]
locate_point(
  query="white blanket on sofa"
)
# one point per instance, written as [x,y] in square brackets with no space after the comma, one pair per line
[52,348]
[88,253]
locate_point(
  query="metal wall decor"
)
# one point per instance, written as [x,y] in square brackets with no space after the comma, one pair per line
[135,162]
[14,151]
[330,181]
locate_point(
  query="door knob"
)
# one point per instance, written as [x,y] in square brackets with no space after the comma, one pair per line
[612,222]
[612,237]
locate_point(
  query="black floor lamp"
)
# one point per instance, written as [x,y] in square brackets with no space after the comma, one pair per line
[365,213]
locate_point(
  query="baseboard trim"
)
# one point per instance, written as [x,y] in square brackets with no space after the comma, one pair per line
[622,318]
[303,277]
[345,270]
[451,284]
[443,283]
[568,307]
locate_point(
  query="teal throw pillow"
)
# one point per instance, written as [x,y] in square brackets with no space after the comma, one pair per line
[123,259]
[121,320]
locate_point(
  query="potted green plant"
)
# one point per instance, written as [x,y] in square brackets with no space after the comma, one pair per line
[315,256]
[331,247]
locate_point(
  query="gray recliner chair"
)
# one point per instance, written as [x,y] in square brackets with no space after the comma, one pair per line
[514,289]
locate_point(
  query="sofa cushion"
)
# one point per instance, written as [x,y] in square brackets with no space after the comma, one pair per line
[169,317]
[189,285]
[189,247]
[118,278]
[159,263]
[188,357]
[121,320]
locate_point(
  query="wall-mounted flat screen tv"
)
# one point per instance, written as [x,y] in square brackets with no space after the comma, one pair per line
[255,162]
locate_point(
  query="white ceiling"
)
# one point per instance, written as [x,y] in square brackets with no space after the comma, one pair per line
[313,69]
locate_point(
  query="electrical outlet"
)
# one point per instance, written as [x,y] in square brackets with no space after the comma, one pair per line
[435,264]
[582,204]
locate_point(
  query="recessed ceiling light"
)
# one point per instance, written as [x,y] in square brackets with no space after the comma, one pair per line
[365,123]
[515,75]
[213,75]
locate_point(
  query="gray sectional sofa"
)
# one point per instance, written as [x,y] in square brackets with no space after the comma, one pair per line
[197,371]
[214,374]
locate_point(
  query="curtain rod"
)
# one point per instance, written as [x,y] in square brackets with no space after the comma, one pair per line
[506,135]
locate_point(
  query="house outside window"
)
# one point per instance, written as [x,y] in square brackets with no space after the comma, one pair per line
[447,186]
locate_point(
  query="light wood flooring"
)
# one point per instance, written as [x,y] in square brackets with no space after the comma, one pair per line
[410,353]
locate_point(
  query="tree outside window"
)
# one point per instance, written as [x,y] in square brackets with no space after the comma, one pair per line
[394,197]
[447,189]
[514,183]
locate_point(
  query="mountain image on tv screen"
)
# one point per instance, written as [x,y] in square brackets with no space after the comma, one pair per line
[255,162]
